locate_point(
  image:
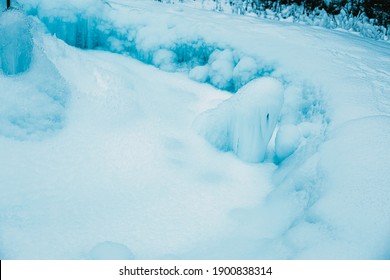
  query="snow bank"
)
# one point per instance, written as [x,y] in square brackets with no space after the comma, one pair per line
[355,194]
[346,214]
[16,45]
[245,123]
[119,126]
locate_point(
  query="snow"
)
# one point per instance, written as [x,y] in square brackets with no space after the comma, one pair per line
[101,157]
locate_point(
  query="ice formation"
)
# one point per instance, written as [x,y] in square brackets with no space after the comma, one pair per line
[16,42]
[77,30]
[87,25]
[245,123]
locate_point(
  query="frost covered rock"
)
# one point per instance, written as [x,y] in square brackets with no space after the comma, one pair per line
[221,68]
[16,44]
[245,123]
[287,141]
[199,73]
[111,251]
[244,71]
[165,60]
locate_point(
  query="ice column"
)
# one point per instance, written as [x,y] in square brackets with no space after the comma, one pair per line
[245,123]
[16,43]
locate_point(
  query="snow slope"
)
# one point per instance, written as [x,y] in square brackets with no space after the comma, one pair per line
[126,164]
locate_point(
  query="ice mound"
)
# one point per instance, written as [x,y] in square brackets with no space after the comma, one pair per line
[111,251]
[245,123]
[287,141]
[16,44]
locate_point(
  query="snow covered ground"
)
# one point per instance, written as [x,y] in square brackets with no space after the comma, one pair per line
[131,145]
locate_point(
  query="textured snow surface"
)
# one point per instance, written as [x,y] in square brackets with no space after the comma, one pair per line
[139,130]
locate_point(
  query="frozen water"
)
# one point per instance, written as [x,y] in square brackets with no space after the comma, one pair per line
[245,123]
[199,73]
[16,45]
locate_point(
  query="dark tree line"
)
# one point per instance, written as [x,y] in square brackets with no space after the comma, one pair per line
[379,10]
